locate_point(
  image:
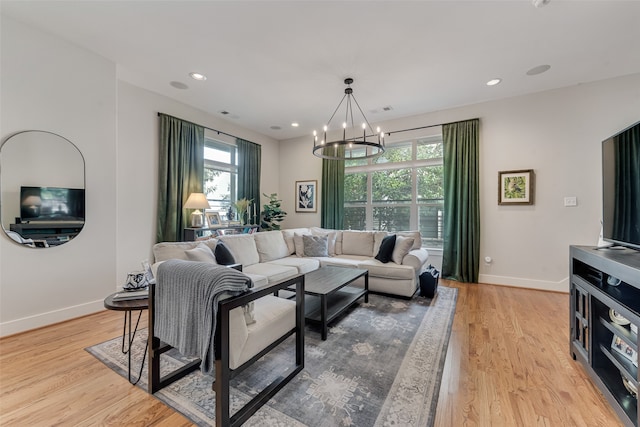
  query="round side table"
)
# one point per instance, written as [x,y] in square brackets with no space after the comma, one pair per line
[128,306]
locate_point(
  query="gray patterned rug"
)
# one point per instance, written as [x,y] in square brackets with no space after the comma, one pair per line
[380,366]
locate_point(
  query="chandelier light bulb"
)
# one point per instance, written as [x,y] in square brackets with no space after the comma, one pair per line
[364,125]
[325,128]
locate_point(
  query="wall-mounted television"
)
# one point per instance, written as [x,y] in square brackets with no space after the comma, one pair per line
[51,204]
[621,188]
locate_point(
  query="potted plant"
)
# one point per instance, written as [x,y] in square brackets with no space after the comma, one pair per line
[242,208]
[272,213]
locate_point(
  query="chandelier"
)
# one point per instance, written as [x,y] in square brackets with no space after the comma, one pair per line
[355,142]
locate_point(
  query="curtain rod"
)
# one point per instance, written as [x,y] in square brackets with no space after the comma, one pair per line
[197,124]
[429,126]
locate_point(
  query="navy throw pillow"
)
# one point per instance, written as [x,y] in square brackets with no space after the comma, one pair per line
[386,249]
[223,255]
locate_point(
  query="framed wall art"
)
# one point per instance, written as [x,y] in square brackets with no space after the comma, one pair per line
[516,187]
[306,196]
[213,218]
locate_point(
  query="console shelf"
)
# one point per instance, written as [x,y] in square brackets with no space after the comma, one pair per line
[606,283]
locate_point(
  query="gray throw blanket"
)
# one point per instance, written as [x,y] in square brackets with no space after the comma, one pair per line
[186,302]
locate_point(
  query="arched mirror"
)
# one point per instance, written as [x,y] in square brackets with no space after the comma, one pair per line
[42,189]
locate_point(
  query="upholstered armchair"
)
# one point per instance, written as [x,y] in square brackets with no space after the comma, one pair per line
[238,343]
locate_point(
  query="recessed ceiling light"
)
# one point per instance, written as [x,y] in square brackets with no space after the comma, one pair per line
[179,85]
[493,82]
[538,70]
[198,76]
[274,127]
[540,3]
[295,124]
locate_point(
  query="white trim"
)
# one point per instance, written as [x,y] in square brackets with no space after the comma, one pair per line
[520,282]
[45,319]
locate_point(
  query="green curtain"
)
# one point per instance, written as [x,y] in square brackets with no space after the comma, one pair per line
[181,171]
[332,206]
[249,162]
[461,251]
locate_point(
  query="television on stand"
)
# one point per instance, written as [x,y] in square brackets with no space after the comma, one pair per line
[51,204]
[621,188]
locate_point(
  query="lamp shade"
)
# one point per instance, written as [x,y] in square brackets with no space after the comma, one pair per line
[197,201]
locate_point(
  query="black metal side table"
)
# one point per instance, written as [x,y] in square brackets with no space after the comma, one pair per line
[128,306]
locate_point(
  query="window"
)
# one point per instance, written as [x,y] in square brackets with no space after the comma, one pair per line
[220,175]
[402,189]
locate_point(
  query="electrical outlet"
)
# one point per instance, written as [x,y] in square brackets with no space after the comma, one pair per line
[570,201]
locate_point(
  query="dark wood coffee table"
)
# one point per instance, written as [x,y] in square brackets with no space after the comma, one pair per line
[329,294]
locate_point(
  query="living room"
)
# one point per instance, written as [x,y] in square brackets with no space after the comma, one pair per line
[51,84]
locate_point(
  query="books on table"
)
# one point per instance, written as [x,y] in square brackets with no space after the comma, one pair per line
[131,295]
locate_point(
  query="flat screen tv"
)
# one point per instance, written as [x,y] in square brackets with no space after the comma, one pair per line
[51,204]
[621,188]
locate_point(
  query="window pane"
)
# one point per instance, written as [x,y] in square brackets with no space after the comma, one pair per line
[219,154]
[430,151]
[358,151]
[430,182]
[392,186]
[217,186]
[430,217]
[355,187]
[354,218]
[395,153]
[391,218]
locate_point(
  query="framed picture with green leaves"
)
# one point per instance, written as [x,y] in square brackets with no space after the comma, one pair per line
[516,187]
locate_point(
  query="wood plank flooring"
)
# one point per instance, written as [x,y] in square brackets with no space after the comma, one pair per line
[508,364]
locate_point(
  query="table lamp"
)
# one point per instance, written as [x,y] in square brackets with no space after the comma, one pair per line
[197,201]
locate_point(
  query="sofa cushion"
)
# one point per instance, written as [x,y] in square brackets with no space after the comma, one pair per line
[315,246]
[386,249]
[224,255]
[304,265]
[273,272]
[258,280]
[331,238]
[357,243]
[243,248]
[271,245]
[288,238]
[417,238]
[202,253]
[401,249]
[176,250]
[378,237]
[343,261]
[299,243]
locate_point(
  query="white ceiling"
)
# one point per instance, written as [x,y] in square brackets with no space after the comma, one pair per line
[270,63]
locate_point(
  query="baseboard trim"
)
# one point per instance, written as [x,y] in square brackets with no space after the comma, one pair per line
[519,282]
[45,319]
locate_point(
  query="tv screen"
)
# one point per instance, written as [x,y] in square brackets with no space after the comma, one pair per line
[621,188]
[51,204]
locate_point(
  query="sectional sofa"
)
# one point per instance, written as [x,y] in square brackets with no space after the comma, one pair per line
[272,256]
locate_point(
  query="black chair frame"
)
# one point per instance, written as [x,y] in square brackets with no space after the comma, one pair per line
[224,374]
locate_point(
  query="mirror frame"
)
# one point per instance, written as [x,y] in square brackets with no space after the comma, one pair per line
[40,243]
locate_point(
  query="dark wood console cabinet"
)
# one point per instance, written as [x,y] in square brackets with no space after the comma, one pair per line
[51,231]
[605,282]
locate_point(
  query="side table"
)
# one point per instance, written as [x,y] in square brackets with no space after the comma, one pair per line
[128,306]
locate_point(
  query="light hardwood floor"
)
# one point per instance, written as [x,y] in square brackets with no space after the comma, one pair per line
[508,364]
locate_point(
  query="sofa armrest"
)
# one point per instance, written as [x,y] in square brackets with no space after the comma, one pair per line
[416,258]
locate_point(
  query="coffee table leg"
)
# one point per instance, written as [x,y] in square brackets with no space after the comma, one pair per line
[323,316]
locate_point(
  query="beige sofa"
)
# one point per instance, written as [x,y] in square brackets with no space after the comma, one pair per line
[272,256]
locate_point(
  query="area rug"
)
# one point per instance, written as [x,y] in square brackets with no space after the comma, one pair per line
[381,365]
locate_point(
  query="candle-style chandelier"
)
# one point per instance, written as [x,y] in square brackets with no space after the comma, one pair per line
[355,143]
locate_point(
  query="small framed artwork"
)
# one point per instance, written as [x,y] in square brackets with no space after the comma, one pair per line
[516,187]
[624,349]
[306,196]
[213,218]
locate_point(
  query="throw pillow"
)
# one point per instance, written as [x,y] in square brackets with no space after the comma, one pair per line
[297,240]
[223,255]
[315,246]
[386,249]
[401,249]
[201,253]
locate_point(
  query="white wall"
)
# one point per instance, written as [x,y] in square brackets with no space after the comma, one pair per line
[50,85]
[558,134]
